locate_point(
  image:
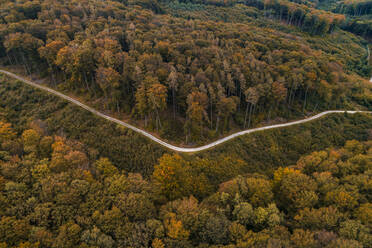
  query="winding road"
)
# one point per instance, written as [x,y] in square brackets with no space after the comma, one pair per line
[169,146]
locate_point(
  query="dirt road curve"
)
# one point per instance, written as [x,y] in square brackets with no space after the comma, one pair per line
[169,146]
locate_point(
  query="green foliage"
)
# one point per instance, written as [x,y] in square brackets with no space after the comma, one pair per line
[260,152]
[265,151]
[105,168]
[128,150]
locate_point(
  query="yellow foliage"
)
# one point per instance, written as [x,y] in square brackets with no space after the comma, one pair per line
[168,175]
[87,175]
[31,140]
[40,171]
[364,213]
[175,229]
[341,199]
[106,168]
[281,172]
[59,146]
[157,243]
[6,131]
[29,245]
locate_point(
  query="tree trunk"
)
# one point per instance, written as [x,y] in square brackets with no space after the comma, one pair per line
[15,58]
[158,123]
[269,114]
[174,106]
[246,113]
[28,71]
[10,61]
[53,79]
[86,81]
[303,109]
[250,115]
[217,121]
[211,113]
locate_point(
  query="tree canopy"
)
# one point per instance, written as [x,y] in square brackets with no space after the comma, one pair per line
[51,195]
[214,66]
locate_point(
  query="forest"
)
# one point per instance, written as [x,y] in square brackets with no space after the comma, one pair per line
[301,186]
[355,8]
[53,195]
[358,15]
[173,69]
[26,107]
[188,71]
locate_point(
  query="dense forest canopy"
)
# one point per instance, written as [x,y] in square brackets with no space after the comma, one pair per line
[53,195]
[59,192]
[183,74]
[191,71]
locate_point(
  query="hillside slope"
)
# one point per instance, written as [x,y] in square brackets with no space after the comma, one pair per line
[189,71]
[164,143]
[26,107]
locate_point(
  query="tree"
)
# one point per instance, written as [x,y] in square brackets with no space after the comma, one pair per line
[58,161]
[243,212]
[214,228]
[157,95]
[31,140]
[354,230]
[109,220]
[64,60]
[226,106]
[135,206]
[42,236]
[342,199]
[173,84]
[257,218]
[344,243]
[364,213]
[236,231]
[45,146]
[105,168]
[49,53]
[25,46]
[6,132]
[84,64]
[151,96]
[279,92]
[96,238]
[164,50]
[109,81]
[303,239]
[258,191]
[13,231]
[296,191]
[251,97]
[196,111]
[170,176]
[317,219]
[79,62]
[157,243]
[175,229]
[40,171]
[142,104]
